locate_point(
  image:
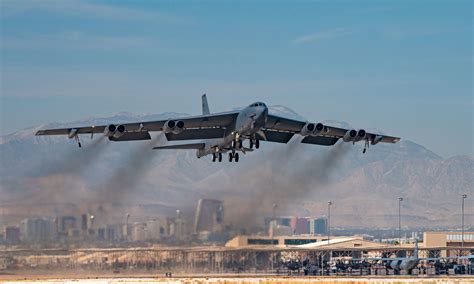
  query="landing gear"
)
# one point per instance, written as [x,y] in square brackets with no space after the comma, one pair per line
[78,141]
[255,142]
[217,156]
[366,146]
[234,156]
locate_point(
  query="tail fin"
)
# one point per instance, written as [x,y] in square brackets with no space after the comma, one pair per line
[205,106]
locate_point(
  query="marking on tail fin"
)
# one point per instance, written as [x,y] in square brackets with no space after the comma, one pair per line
[205,105]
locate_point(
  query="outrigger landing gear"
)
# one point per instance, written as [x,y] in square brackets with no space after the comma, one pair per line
[366,146]
[78,141]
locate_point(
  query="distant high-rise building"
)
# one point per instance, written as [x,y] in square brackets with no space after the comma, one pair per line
[209,216]
[318,226]
[84,222]
[11,235]
[37,229]
[66,223]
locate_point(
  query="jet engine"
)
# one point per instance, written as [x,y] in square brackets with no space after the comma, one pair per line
[119,131]
[179,127]
[109,130]
[319,127]
[172,126]
[308,129]
[312,129]
[360,135]
[350,136]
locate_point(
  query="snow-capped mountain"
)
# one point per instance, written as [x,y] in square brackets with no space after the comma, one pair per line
[48,172]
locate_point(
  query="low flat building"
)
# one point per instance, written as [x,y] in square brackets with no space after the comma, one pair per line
[448,239]
[243,241]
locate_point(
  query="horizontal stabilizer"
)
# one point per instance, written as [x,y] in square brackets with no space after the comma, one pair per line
[196,146]
[132,136]
[320,140]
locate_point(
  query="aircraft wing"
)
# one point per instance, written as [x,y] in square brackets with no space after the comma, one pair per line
[218,120]
[328,137]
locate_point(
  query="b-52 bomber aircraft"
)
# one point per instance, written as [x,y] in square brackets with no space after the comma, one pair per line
[226,132]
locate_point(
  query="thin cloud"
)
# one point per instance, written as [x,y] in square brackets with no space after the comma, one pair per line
[82,9]
[323,35]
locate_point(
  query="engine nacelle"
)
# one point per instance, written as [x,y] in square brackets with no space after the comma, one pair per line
[350,135]
[360,135]
[308,129]
[319,128]
[109,130]
[169,126]
[179,127]
[172,126]
[120,130]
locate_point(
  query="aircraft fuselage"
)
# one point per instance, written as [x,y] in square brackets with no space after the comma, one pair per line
[247,124]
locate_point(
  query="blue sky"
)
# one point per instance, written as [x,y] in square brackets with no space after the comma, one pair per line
[401,66]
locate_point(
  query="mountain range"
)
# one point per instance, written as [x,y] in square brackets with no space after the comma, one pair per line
[51,175]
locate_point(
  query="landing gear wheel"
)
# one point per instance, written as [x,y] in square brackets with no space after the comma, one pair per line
[257,144]
[236,157]
[79,143]
[250,143]
[220,157]
[214,157]
[230,157]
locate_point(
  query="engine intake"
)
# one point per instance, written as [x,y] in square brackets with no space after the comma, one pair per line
[350,135]
[308,129]
[360,135]
[172,126]
[119,131]
[109,130]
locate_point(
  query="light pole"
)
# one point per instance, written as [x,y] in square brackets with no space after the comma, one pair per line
[464,196]
[400,199]
[329,220]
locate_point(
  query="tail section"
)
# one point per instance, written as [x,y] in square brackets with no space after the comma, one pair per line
[205,105]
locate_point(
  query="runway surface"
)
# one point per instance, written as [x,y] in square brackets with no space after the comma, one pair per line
[15,279]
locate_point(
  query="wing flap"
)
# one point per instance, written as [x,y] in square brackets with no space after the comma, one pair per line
[320,140]
[196,134]
[276,136]
[132,136]
[195,146]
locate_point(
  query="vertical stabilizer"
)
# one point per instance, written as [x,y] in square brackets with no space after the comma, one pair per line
[205,106]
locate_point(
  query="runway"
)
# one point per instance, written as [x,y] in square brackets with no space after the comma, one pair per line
[230,279]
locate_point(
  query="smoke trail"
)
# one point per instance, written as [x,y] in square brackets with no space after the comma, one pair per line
[71,161]
[287,178]
[129,174]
